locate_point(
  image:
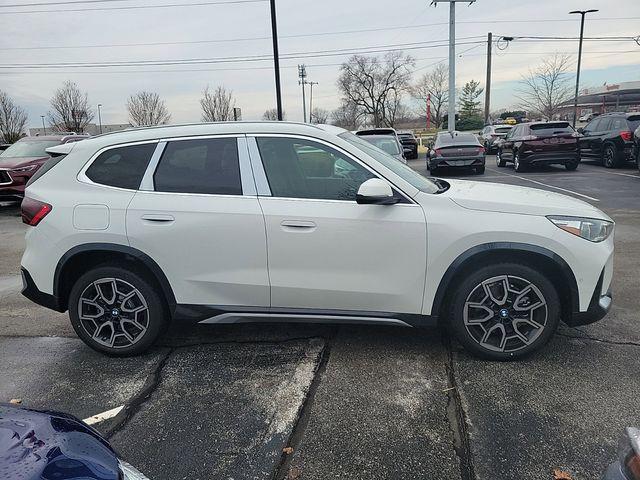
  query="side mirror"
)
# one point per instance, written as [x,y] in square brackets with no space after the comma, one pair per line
[581,130]
[375,191]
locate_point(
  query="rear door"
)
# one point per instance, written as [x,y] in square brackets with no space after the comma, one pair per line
[596,140]
[197,215]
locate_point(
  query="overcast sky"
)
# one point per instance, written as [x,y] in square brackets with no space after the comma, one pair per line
[194,32]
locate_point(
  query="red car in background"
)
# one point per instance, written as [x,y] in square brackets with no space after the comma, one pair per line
[22,159]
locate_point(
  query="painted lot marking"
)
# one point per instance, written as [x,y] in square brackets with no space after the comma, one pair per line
[623,174]
[547,185]
[101,417]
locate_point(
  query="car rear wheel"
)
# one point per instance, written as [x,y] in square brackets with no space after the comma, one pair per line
[517,165]
[504,311]
[116,310]
[609,156]
[499,161]
[571,165]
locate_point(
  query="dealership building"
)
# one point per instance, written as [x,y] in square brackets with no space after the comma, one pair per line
[618,97]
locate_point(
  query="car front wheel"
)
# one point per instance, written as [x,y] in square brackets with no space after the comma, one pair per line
[116,310]
[504,311]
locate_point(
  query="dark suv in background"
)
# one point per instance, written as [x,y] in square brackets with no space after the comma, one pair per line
[492,134]
[22,159]
[609,138]
[539,143]
[409,144]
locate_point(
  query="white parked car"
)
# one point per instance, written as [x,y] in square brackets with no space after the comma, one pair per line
[236,222]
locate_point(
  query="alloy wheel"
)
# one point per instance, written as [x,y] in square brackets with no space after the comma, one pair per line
[609,157]
[113,312]
[505,313]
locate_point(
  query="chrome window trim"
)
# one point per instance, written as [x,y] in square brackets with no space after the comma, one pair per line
[147,179]
[262,173]
[82,175]
[259,175]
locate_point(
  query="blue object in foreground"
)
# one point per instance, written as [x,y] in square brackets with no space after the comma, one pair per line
[46,445]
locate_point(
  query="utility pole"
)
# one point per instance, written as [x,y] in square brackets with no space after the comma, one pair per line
[302,74]
[99,117]
[276,58]
[311,84]
[452,59]
[487,87]
[575,98]
[43,127]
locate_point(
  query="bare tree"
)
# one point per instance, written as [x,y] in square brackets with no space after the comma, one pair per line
[147,109]
[217,105]
[435,84]
[375,85]
[319,115]
[272,114]
[544,88]
[70,109]
[346,116]
[12,119]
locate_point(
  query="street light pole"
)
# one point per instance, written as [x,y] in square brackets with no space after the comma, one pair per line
[311,84]
[276,58]
[43,127]
[302,73]
[575,98]
[100,117]
[451,124]
[487,87]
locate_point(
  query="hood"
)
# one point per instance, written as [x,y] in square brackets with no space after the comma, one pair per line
[498,197]
[17,162]
[37,445]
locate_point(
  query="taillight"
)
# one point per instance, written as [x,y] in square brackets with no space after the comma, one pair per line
[480,150]
[33,211]
[626,135]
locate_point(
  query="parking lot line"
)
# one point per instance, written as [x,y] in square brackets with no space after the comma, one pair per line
[101,417]
[623,174]
[547,185]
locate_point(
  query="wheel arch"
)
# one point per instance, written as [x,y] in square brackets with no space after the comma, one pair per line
[79,259]
[549,263]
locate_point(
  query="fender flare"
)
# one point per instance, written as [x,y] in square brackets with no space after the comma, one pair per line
[466,256]
[142,257]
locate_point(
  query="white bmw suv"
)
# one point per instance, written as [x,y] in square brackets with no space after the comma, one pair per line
[262,222]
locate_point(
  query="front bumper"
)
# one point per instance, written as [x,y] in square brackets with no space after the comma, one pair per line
[599,306]
[31,291]
[477,161]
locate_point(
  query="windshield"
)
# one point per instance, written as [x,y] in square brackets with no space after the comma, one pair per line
[403,171]
[503,130]
[388,144]
[29,148]
[551,128]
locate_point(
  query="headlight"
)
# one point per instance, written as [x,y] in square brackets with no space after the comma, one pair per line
[590,229]
[129,472]
[25,169]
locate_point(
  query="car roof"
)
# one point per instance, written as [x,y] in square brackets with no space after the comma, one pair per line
[620,114]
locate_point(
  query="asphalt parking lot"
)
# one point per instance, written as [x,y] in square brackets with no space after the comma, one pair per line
[351,402]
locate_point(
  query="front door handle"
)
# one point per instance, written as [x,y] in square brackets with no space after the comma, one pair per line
[157,218]
[297,225]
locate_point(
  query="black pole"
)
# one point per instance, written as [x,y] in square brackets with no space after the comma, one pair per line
[276,59]
[487,87]
[575,99]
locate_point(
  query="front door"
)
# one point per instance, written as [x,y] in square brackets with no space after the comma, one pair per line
[200,220]
[327,252]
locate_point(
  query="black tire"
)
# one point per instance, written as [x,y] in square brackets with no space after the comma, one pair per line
[499,161]
[154,318]
[518,166]
[479,170]
[610,156]
[515,272]
[571,165]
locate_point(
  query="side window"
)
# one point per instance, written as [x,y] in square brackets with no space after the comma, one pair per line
[299,168]
[208,166]
[604,125]
[617,124]
[121,167]
[514,132]
[592,126]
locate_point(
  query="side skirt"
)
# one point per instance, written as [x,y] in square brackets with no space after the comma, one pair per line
[224,314]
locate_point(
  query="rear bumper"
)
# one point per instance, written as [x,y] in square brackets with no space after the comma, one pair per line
[463,162]
[599,306]
[550,158]
[31,291]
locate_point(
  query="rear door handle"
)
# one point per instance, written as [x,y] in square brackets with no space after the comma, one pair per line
[157,218]
[297,225]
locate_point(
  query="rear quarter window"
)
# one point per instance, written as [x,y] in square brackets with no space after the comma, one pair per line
[121,167]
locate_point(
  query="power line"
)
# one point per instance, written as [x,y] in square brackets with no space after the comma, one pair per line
[234,59]
[47,4]
[136,7]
